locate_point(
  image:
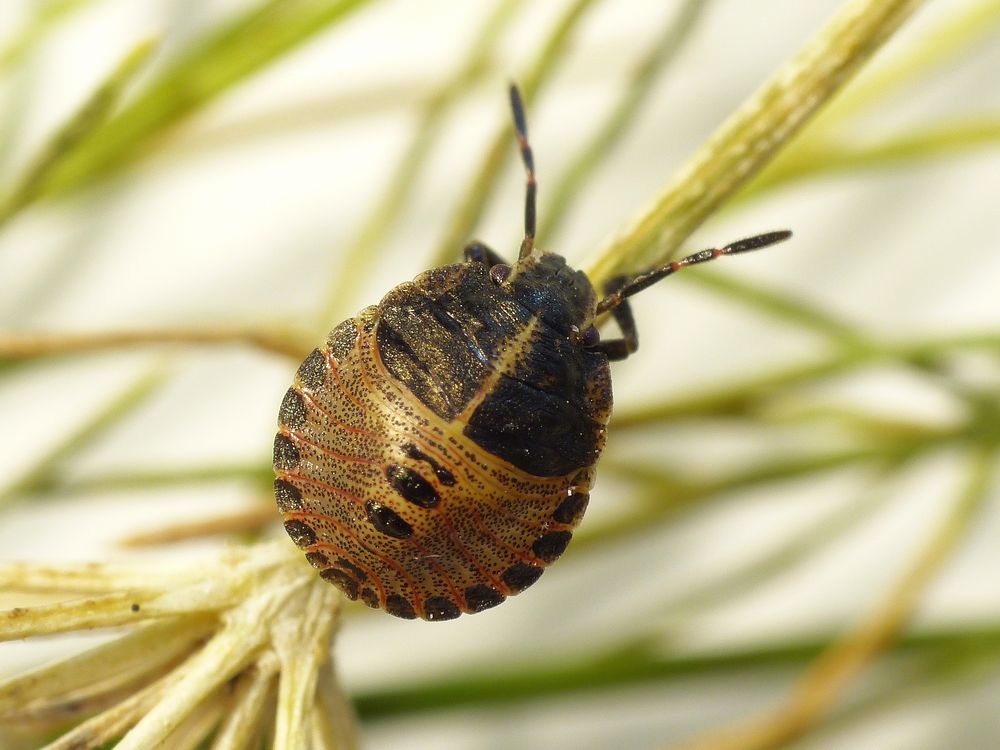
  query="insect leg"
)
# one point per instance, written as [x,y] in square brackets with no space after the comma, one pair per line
[477,252]
[618,349]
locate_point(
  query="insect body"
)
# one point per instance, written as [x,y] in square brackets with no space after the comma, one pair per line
[436,453]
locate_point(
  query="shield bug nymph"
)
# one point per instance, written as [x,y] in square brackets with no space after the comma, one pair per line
[436,452]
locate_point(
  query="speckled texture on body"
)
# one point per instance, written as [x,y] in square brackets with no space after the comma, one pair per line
[435,454]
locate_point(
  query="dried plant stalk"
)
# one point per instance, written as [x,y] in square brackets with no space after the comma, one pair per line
[829,676]
[751,137]
[255,614]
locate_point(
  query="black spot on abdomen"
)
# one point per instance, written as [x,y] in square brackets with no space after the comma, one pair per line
[287,496]
[387,521]
[521,575]
[342,339]
[440,608]
[398,606]
[550,546]
[571,510]
[286,453]
[312,371]
[444,476]
[481,596]
[318,560]
[342,580]
[369,597]
[292,413]
[412,487]
[301,533]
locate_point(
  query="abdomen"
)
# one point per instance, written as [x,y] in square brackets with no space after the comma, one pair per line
[431,498]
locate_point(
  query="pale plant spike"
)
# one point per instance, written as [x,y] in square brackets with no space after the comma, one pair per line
[246,632]
[142,651]
[244,719]
[198,725]
[102,578]
[333,718]
[317,617]
[111,724]
[108,610]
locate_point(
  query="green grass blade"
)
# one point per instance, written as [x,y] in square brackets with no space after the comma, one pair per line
[201,74]
[743,397]
[463,223]
[636,91]
[89,118]
[753,134]
[781,307]
[820,157]
[634,664]
[44,472]
[363,254]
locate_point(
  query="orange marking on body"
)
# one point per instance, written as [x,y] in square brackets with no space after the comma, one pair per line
[297,438]
[427,450]
[500,543]
[342,425]
[430,559]
[483,573]
[335,371]
[446,438]
[321,485]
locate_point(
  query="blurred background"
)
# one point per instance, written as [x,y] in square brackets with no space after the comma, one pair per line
[796,427]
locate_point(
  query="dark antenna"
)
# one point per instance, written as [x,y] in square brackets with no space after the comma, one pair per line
[521,126]
[647,279]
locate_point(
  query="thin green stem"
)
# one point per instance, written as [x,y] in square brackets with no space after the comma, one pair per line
[635,664]
[829,676]
[780,559]
[781,307]
[25,346]
[463,223]
[742,397]
[362,255]
[926,53]
[826,156]
[89,118]
[827,146]
[753,135]
[259,473]
[234,51]
[678,26]
[665,494]
[43,474]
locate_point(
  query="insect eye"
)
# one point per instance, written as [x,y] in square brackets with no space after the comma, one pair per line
[499,273]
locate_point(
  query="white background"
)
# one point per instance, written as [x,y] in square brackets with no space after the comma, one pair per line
[242,213]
